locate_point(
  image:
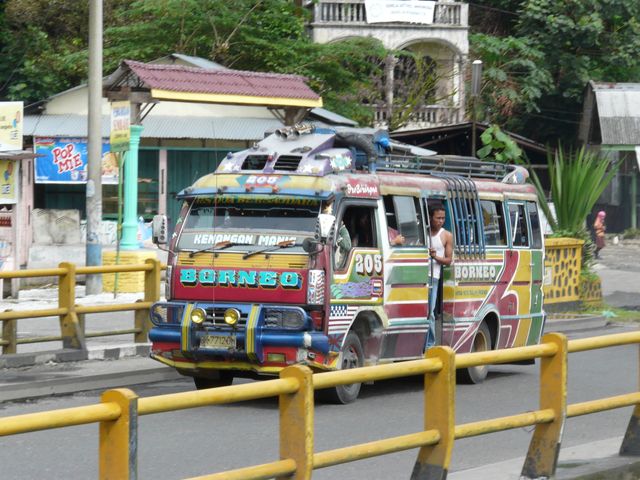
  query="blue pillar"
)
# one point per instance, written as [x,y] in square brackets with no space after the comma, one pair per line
[130,224]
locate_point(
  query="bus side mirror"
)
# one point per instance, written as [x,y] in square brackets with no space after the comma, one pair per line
[159,230]
[311,245]
[325,223]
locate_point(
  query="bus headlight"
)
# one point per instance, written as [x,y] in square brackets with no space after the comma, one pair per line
[288,318]
[198,315]
[231,316]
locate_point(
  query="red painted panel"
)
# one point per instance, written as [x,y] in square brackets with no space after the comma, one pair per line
[241,293]
[410,344]
[406,310]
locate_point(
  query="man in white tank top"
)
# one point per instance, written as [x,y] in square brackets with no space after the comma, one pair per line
[441,252]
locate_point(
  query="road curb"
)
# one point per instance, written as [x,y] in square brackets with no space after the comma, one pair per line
[65,384]
[29,359]
[597,460]
[573,323]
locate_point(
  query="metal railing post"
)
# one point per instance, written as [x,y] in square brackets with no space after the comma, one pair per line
[72,335]
[542,457]
[439,414]
[151,294]
[119,438]
[9,334]
[631,441]
[296,423]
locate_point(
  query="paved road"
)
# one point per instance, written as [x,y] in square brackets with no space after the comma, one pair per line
[200,441]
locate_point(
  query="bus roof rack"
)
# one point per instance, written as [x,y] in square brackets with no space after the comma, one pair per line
[451,164]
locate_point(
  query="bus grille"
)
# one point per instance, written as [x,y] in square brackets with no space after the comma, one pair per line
[215,316]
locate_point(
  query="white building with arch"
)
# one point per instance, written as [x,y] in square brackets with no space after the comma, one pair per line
[435,30]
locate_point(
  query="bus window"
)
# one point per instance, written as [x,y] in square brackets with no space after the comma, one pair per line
[466,219]
[360,223]
[519,230]
[404,217]
[493,220]
[534,220]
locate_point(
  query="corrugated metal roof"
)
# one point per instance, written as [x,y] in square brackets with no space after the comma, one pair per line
[221,128]
[620,130]
[332,117]
[189,59]
[619,112]
[214,128]
[178,78]
[18,155]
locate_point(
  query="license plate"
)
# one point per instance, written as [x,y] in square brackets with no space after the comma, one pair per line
[218,341]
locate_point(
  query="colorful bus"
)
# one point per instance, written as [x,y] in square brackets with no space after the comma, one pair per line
[283,256]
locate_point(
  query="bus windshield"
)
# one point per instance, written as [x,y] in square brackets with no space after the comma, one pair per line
[247,223]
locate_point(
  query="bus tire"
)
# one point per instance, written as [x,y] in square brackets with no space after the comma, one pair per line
[352,357]
[481,343]
[224,379]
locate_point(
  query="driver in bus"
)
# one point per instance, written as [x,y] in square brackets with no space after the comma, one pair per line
[342,240]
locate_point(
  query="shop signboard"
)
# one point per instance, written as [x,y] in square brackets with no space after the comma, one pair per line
[8,181]
[65,160]
[120,123]
[10,126]
[406,11]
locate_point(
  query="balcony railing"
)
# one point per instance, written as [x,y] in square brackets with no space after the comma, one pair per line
[424,117]
[353,12]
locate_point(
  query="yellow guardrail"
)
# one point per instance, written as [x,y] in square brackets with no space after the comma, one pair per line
[72,316]
[119,410]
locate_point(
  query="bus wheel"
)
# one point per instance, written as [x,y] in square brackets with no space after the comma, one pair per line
[224,380]
[352,357]
[481,343]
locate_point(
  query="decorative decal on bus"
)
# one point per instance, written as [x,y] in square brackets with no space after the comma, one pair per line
[477,272]
[240,238]
[361,190]
[209,277]
[262,180]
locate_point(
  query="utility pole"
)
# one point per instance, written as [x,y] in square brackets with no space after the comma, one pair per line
[476,76]
[94,180]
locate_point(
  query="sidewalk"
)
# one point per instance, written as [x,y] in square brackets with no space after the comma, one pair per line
[98,348]
[590,461]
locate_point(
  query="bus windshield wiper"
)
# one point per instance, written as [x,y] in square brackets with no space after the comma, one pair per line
[214,248]
[277,246]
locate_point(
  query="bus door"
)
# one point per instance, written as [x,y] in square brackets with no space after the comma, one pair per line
[471,277]
[406,277]
[357,281]
[537,270]
[517,300]
[444,309]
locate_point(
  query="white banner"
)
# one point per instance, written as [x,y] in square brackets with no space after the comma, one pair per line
[408,11]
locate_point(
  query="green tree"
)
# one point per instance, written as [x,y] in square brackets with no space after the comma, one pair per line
[574,41]
[514,78]
[46,51]
[498,147]
[583,40]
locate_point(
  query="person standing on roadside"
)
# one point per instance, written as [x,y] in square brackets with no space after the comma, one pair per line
[599,228]
[441,253]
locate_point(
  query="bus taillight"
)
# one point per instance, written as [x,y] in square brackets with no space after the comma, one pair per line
[317,317]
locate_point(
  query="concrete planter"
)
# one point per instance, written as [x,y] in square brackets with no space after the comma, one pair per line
[563,266]
[591,292]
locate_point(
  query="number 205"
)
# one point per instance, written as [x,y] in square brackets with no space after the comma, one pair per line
[368,264]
